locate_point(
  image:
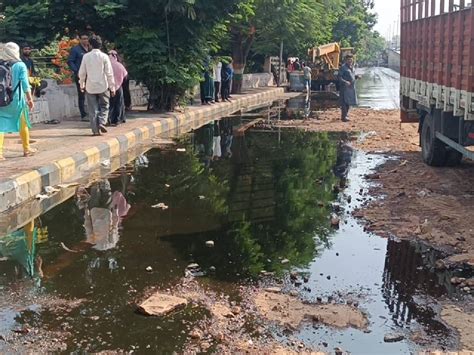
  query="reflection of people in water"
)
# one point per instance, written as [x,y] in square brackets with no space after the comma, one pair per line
[227,137]
[216,146]
[104,211]
[214,140]
[307,106]
[21,246]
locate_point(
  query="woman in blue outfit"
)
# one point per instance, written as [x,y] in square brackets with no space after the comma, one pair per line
[15,116]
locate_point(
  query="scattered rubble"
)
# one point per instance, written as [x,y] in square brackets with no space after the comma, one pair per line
[393,338]
[290,311]
[160,304]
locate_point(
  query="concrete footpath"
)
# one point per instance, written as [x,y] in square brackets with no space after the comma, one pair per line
[68,150]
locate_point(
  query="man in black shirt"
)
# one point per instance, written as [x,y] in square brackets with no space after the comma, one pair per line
[26,58]
[74,62]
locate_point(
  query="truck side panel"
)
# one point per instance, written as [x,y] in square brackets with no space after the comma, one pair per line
[437,57]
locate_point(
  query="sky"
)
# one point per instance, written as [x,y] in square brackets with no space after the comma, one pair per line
[388,11]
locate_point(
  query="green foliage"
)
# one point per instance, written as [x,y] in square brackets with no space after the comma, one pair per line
[371,49]
[354,28]
[26,22]
[168,42]
[298,23]
[38,21]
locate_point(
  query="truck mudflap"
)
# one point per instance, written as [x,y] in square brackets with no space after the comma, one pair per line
[409,116]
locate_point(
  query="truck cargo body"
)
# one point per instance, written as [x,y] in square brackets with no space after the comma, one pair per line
[437,76]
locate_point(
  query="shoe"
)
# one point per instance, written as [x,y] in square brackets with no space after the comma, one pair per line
[30,152]
[84,119]
[96,134]
[346,120]
[102,129]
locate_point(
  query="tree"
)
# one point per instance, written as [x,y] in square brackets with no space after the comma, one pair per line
[266,24]
[39,22]
[371,48]
[354,23]
[167,43]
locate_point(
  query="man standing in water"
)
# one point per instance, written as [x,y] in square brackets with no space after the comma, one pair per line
[347,95]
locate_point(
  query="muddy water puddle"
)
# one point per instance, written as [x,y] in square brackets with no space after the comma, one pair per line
[265,200]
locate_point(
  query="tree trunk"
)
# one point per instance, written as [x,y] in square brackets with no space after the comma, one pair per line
[238,79]
[241,44]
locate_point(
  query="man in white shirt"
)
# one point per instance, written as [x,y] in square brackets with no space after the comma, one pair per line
[217,79]
[96,78]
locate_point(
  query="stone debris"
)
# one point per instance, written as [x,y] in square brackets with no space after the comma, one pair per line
[393,338]
[105,163]
[161,304]
[161,206]
[50,190]
[335,221]
[290,311]
[273,289]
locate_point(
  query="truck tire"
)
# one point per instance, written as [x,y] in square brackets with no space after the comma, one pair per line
[453,157]
[433,150]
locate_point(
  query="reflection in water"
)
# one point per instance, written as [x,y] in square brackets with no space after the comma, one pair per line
[21,247]
[275,204]
[103,212]
[407,276]
[266,197]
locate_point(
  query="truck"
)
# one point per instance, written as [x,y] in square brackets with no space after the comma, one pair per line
[437,77]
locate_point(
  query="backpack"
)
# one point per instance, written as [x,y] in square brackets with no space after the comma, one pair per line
[6,83]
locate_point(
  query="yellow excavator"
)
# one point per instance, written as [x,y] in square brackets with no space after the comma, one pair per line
[325,61]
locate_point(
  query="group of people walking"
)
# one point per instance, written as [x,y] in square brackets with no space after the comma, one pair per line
[101,79]
[102,82]
[216,83]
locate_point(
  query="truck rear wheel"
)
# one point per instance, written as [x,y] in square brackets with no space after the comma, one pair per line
[453,157]
[433,150]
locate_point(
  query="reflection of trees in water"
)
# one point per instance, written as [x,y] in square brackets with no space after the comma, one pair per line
[405,278]
[277,203]
[270,201]
[187,178]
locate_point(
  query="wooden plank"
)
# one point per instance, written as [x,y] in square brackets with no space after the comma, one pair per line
[448,50]
[458,55]
[468,70]
[241,130]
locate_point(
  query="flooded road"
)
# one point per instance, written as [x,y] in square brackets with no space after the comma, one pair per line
[378,88]
[265,200]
